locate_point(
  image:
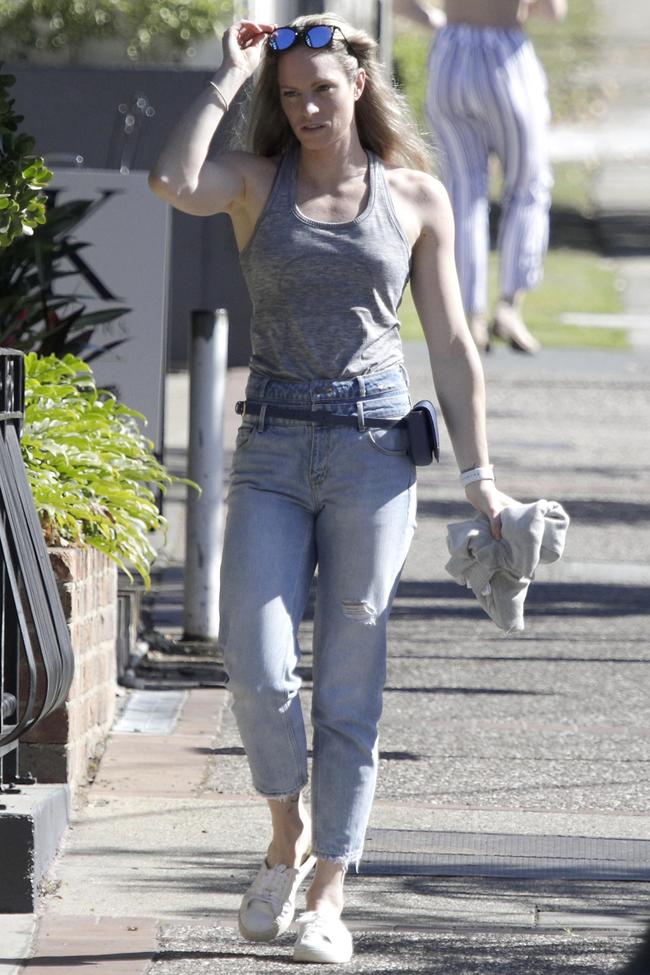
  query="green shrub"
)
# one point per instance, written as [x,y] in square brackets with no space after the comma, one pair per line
[39,310]
[92,472]
[22,175]
[147,28]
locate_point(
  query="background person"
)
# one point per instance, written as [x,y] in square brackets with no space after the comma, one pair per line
[332,210]
[487,93]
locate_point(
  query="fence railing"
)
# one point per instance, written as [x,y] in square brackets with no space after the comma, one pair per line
[36,661]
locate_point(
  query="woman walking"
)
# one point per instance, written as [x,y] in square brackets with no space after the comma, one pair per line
[333,209]
[487,93]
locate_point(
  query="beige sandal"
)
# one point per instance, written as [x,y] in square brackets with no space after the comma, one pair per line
[509,326]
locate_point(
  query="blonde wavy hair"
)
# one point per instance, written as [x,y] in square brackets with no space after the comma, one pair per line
[383,116]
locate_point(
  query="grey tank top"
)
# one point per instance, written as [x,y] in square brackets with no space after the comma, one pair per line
[325,295]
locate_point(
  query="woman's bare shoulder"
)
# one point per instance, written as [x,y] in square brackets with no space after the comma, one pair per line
[422,191]
[418,197]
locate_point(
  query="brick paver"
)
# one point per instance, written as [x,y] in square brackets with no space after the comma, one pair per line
[111,945]
[161,765]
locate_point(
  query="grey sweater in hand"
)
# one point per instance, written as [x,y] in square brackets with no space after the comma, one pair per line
[500,572]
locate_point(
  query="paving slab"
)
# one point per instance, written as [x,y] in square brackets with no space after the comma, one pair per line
[112,945]
[150,713]
[439,853]
[161,765]
[16,936]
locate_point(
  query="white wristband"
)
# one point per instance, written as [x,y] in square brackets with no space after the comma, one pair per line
[220,94]
[477,474]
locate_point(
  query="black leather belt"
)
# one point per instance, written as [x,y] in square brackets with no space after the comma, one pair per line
[323,417]
[421,424]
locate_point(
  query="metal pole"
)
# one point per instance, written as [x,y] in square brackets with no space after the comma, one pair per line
[385,35]
[203,532]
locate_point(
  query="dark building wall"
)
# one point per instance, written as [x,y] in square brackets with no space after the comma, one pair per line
[76,111]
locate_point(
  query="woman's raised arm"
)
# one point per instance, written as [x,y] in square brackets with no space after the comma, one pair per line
[182,175]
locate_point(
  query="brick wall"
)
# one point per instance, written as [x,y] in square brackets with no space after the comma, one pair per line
[61,746]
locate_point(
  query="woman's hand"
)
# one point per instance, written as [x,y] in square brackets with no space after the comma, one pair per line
[243,45]
[437,18]
[486,498]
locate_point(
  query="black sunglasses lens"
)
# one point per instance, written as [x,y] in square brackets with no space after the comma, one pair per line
[282,39]
[319,36]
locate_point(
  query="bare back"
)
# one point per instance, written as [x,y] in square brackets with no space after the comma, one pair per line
[486,13]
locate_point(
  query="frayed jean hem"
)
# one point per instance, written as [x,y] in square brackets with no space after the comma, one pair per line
[346,860]
[281,796]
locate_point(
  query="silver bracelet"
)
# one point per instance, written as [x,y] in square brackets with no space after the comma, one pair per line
[477,474]
[220,94]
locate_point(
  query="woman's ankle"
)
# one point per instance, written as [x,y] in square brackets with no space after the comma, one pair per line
[290,852]
[325,895]
[515,301]
[291,840]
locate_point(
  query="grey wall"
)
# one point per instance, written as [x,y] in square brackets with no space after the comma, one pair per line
[75,110]
[137,272]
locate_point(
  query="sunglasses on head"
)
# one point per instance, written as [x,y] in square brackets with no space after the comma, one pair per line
[317,37]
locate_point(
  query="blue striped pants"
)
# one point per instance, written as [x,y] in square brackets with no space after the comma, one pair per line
[487,93]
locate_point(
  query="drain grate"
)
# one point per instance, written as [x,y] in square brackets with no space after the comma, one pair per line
[151,713]
[404,852]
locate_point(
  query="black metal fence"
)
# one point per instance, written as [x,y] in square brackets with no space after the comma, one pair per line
[36,661]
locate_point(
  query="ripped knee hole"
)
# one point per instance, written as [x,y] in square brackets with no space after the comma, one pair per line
[360,611]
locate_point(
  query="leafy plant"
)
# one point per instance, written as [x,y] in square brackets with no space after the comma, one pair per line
[34,314]
[92,472]
[147,28]
[22,175]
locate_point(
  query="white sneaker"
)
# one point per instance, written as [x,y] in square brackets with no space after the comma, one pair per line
[323,939]
[269,904]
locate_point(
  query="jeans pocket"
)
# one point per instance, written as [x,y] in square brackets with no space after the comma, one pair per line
[393,441]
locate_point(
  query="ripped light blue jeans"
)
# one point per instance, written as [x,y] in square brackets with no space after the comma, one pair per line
[341,499]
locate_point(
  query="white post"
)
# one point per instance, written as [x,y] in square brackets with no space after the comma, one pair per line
[203,533]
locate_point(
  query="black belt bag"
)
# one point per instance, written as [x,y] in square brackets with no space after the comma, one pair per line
[421,424]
